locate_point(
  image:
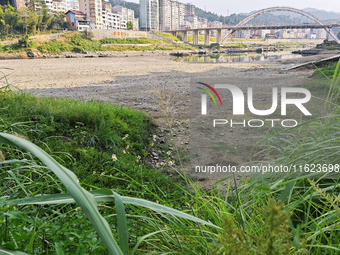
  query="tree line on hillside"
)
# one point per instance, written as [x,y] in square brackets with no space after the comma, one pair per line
[267,19]
[27,20]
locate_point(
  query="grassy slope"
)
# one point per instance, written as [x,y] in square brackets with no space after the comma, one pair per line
[78,42]
[85,138]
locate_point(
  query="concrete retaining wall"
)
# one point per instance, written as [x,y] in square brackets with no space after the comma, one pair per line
[102,33]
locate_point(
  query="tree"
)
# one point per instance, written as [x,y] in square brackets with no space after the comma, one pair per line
[58,21]
[11,17]
[44,19]
[31,22]
[2,19]
[129,26]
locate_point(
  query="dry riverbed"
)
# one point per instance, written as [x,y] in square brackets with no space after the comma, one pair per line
[135,81]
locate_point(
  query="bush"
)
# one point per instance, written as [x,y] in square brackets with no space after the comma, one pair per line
[24,42]
[82,43]
[54,46]
[88,35]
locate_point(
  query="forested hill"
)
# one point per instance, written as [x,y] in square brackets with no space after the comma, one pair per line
[271,18]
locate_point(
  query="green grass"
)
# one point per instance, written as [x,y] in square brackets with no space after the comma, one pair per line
[327,71]
[328,45]
[168,35]
[201,38]
[79,42]
[87,136]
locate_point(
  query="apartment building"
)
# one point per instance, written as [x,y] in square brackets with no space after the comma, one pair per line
[126,15]
[202,22]
[189,9]
[59,6]
[93,11]
[136,24]
[18,4]
[164,15]
[72,5]
[48,3]
[171,14]
[111,20]
[181,14]
[148,15]
[215,23]
[191,21]
[77,20]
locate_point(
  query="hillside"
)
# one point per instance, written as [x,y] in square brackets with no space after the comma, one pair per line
[323,15]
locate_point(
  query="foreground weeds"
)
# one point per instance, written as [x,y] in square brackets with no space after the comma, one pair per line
[87,189]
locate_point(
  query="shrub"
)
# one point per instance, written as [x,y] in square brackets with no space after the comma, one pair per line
[24,42]
[54,46]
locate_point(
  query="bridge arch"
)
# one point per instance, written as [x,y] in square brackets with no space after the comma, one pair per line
[275,9]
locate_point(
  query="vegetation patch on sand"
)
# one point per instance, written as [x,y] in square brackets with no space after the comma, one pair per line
[78,42]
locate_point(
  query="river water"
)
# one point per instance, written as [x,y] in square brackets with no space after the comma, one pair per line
[239,57]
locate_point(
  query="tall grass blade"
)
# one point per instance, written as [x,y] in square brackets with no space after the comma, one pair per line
[286,192]
[140,240]
[5,251]
[82,197]
[297,234]
[103,195]
[333,82]
[122,225]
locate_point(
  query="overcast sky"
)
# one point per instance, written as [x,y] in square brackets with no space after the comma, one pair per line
[222,7]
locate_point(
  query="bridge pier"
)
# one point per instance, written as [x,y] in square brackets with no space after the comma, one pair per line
[195,37]
[174,34]
[219,36]
[207,37]
[185,36]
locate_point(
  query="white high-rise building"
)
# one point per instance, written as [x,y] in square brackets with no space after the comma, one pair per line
[72,5]
[148,15]
[93,11]
[126,14]
[171,14]
[164,15]
[189,9]
[111,20]
[59,6]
